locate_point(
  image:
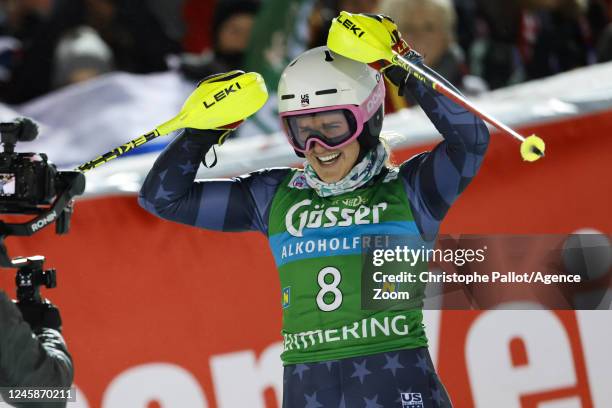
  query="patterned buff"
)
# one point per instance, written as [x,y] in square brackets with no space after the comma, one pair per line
[371,165]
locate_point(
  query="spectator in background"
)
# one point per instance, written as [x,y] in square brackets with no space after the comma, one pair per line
[197,16]
[604,42]
[465,27]
[20,21]
[604,47]
[529,39]
[324,12]
[597,16]
[169,14]
[231,31]
[137,40]
[81,55]
[429,27]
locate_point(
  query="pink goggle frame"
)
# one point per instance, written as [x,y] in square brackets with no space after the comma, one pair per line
[361,113]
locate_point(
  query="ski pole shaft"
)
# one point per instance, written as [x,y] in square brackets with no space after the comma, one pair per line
[440,87]
[118,151]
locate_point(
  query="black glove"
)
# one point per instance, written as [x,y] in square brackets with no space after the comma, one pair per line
[40,315]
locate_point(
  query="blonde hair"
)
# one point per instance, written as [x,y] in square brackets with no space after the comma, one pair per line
[388,138]
[399,9]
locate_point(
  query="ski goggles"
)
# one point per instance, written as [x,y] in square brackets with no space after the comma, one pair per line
[332,127]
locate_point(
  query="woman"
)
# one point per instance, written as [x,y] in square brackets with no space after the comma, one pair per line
[331,108]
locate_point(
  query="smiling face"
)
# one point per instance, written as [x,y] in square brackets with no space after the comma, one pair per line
[331,125]
[327,139]
[331,165]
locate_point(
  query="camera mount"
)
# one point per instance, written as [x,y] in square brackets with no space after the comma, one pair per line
[29,184]
[30,272]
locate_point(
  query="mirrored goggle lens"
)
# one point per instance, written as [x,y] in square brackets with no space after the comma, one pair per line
[331,127]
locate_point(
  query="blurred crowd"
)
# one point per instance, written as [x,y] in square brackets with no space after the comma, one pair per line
[477,44]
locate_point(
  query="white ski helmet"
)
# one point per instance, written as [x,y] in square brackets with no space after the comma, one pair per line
[320,80]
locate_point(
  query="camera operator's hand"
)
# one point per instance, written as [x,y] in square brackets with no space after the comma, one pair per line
[41,315]
[31,358]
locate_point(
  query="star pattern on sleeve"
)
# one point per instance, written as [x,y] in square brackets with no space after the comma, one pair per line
[188,168]
[438,111]
[187,145]
[163,194]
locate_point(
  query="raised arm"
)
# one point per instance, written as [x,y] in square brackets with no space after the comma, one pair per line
[435,179]
[238,204]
